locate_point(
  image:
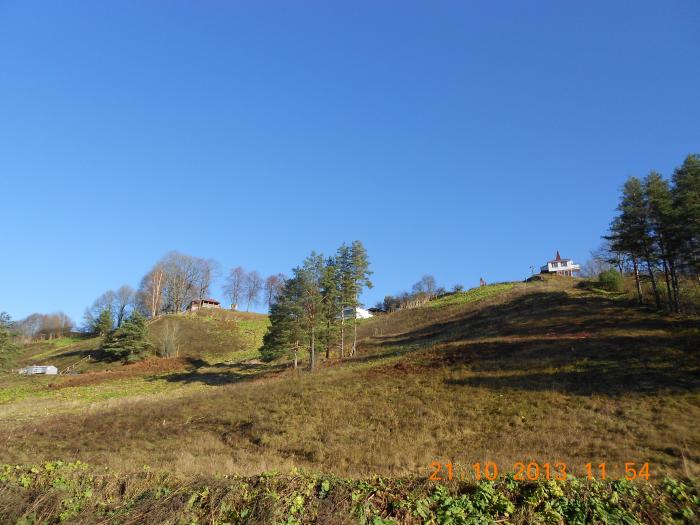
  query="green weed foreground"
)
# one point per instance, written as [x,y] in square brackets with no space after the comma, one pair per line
[58,492]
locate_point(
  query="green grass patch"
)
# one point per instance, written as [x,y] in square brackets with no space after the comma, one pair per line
[472,295]
[40,388]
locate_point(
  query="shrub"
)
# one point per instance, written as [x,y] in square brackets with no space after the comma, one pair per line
[611,280]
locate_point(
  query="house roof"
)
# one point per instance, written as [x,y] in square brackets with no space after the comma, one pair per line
[558,258]
[209,300]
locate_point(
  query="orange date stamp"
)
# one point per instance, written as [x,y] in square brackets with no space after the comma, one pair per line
[535,471]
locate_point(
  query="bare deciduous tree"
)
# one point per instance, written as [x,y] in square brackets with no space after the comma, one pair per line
[235,284]
[252,287]
[106,301]
[170,339]
[182,280]
[45,326]
[150,294]
[123,301]
[207,271]
[427,286]
[273,288]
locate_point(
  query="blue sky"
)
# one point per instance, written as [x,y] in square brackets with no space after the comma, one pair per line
[462,139]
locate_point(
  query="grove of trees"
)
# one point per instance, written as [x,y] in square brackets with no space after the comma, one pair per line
[44,326]
[655,235]
[173,282]
[308,311]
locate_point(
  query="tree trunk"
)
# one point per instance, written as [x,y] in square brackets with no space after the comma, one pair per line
[342,333]
[635,266]
[328,340]
[354,327]
[674,285]
[312,361]
[296,355]
[654,287]
[650,269]
[669,292]
[354,335]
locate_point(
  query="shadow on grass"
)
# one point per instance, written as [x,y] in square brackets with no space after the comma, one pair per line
[555,313]
[592,379]
[553,341]
[95,354]
[222,374]
[609,366]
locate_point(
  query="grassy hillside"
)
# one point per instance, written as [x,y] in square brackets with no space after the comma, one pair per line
[543,372]
[209,340]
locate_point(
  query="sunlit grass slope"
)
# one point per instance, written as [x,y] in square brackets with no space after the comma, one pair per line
[208,339]
[540,371]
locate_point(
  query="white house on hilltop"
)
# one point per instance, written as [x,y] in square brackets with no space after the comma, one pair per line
[560,266]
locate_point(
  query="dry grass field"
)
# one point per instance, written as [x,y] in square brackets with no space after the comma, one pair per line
[540,371]
[549,372]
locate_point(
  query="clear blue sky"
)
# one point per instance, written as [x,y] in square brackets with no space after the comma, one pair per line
[462,139]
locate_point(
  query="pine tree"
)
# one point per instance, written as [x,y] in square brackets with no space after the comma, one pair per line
[664,230]
[343,261]
[331,302]
[311,301]
[630,232]
[309,280]
[686,199]
[130,340]
[285,335]
[104,323]
[6,329]
[360,273]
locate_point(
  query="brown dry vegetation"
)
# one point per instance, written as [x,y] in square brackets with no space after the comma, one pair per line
[545,371]
[151,366]
[212,334]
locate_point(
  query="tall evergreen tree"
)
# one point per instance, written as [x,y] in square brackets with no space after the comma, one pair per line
[630,232]
[663,223]
[130,340]
[343,262]
[285,335]
[104,323]
[309,309]
[309,277]
[330,302]
[360,274]
[686,199]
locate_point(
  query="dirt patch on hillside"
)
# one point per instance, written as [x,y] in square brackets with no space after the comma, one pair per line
[147,367]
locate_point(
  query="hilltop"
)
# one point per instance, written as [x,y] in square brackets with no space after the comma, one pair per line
[517,372]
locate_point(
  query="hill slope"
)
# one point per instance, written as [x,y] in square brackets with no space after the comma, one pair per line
[207,340]
[517,373]
[538,371]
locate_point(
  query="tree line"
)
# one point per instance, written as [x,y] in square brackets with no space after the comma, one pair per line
[171,285]
[655,235]
[242,285]
[44,326]
[311,311]
[426,289]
